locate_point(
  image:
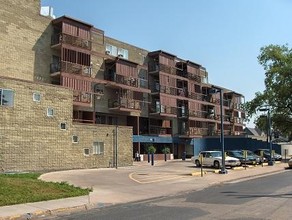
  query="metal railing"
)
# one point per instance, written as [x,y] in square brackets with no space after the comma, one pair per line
[72,40]
[124,103]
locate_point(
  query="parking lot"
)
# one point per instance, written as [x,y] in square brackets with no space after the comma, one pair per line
[135,183]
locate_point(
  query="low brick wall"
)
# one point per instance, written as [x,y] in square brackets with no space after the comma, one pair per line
[158,157]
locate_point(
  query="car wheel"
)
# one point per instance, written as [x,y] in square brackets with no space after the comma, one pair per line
[216,164]
[197,162]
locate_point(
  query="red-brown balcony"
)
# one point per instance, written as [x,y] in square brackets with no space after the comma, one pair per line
[67,67]
[58,39]
[203,115]
[194,132]
[124,74]
[82,98]
[160,131]
[124,104]
[195,77]
[197,96]
[163,110]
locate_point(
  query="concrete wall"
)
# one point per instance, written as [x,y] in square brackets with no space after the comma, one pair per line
[32,141]
[25,39]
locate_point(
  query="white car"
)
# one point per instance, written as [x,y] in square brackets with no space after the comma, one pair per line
[214,158]
[290,163]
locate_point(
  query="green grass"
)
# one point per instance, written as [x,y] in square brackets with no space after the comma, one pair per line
[24,188]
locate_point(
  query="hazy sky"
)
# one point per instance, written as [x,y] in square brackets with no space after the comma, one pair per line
[225,36]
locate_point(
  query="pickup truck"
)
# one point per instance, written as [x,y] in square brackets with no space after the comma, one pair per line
[214,158]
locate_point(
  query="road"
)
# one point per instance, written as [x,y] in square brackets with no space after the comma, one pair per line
[268,197]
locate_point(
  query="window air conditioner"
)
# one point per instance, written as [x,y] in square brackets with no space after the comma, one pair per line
[107,52]
[120,55]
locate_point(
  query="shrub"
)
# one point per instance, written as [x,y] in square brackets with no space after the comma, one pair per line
[166,150]
[151,149]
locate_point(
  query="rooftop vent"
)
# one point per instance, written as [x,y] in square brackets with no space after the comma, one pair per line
[47,11]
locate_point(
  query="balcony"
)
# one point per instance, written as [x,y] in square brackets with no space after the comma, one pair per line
[238,120]
[129,81]
[168,90]
[181,92]
[153,67]
[162,109]
[197,96]
[195,77]
[74,68]
[58,39]
[183,113]
[194,131]
[202,115]
[158,130]
[123,104]
[82,98]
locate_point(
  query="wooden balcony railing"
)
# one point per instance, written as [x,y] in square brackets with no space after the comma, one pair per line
[129,81]
[72,40]
[68,67]
[158,130]
[82,97]
[163,109]
[195,77]
[193,131]
[124,103]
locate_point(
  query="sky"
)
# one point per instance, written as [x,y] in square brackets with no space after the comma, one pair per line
[224,36]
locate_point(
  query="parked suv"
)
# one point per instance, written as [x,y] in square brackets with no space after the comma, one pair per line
[214,158]
[239,154]
[266,154]
[259,159]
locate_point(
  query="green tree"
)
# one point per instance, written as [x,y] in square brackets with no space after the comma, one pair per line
[277,63]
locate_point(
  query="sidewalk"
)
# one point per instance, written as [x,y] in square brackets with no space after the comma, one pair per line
[127,184]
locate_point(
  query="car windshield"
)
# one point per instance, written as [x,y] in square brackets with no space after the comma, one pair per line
[250,153]
[237,153]
[216,153]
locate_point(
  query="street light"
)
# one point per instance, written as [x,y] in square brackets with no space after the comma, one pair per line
[269,133]
[213,91]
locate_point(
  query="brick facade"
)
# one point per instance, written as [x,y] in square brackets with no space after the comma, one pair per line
[29,139]
[32,141]
[25,39]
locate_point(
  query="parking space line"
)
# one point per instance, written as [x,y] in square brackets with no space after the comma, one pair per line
[154,178]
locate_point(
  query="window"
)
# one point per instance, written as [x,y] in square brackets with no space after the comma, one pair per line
[123,53]
[6,97]
[111,50]
[50,112]
[98,147]
[114,51]
[36,97]
[75,139]
[86,152]
[63,126]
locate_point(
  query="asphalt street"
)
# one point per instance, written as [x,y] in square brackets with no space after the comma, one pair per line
[268,197]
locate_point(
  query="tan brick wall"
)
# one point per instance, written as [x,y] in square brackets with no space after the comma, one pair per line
[25,38]
[32,141]
[136,54]
[106,134]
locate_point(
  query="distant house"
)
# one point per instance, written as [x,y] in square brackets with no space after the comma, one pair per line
[254,132]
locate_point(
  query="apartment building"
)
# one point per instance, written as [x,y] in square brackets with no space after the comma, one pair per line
[150,97]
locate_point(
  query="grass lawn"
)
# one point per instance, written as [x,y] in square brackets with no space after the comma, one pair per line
[24,188]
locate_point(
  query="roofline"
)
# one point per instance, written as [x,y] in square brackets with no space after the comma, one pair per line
[116,59]
[227,90]
[72,19]
[193,63]
[161,52]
